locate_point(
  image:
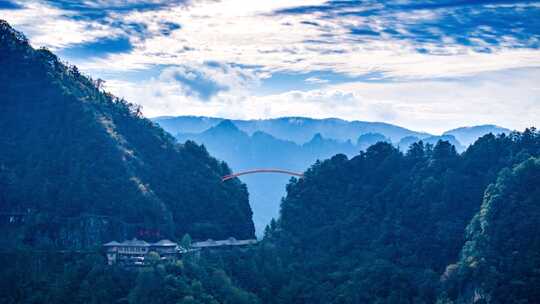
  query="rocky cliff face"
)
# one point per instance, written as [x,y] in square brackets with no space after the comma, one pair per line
[68,149]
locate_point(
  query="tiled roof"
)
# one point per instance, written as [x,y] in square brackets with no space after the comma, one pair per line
[167,243]
[227,242]
[135,242]
[141,243]
[164,243]
[110,244]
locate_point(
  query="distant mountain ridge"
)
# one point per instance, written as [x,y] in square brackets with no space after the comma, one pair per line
[259,149]
[302,129]
[297,129]
[468,135]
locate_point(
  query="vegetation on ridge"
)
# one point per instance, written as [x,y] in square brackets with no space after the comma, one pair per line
[69,149]
[383,227]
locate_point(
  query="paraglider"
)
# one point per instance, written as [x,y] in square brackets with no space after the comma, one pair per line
[233,175]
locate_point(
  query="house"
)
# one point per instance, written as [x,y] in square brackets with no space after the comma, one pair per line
[135,252]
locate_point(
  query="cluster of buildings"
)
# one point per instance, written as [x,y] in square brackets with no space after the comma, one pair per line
[137,252]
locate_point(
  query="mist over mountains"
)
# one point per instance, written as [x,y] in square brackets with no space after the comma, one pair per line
[295,143]
[297,129]
[302,129]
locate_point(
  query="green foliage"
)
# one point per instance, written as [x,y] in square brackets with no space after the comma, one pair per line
[383,226]
[53,278]
[501,259]
[186,241]
[84,167]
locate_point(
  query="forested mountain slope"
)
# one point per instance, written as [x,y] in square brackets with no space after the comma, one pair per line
[500,262]
[32,278]
[383,226]
[261,150]
[79,166]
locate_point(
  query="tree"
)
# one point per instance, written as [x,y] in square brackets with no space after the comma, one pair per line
[186,242]
[99,83]
[153,258]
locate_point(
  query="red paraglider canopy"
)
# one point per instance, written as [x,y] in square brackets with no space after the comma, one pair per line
[233,175]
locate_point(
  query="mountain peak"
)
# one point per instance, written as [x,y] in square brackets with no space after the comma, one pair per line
[227,125]
[225,128]
[468,135]
[317,138]
[488,127]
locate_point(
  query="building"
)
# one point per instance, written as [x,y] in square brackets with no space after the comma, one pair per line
[135,252]
[167,249]
[230,242]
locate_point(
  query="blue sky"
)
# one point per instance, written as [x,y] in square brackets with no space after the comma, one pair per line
[428,65]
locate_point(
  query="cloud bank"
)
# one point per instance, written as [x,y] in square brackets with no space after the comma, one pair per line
[422,64]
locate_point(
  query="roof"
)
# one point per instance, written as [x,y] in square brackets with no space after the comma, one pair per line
[227,242]
[135,243]
[141,243]
[165,243]
[111,244]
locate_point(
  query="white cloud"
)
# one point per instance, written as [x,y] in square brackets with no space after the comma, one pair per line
[55,28]
[244,32]
[488,87]
[316,80]
[508,98]
[204,80]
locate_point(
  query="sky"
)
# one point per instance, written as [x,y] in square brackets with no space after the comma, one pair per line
[428,65]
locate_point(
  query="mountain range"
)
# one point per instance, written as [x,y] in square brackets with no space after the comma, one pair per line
[302,129]
[294,143]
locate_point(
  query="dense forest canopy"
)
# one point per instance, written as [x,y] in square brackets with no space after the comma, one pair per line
[70,151]
[74,278]
[425,226]
[500,261]
[388,227]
